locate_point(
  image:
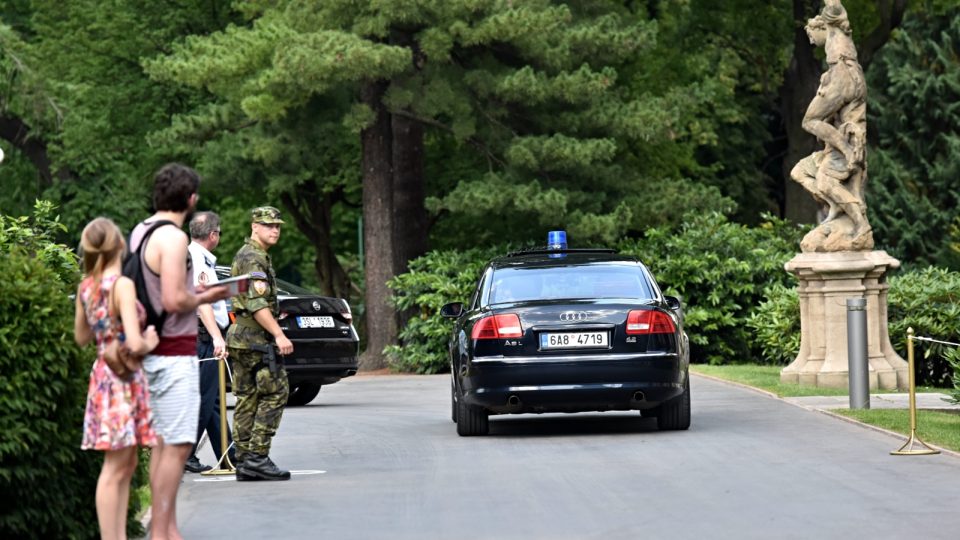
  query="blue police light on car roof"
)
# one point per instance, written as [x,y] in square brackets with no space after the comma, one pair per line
[556,240]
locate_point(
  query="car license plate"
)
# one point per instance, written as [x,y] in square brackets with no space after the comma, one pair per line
[573,340]
[315,322]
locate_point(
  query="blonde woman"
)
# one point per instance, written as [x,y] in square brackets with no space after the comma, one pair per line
[117,418]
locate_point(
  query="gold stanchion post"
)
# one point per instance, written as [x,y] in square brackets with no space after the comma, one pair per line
[907,449]
[224,466]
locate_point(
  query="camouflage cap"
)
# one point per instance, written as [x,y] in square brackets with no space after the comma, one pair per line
[265,214]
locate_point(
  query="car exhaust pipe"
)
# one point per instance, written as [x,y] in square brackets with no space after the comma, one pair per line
[513,400]
[638,396]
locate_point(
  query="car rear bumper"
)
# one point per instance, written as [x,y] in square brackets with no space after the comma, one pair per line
[322,361]
[504,385]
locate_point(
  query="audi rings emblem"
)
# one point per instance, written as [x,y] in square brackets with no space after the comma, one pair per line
[572,316]
[317,306]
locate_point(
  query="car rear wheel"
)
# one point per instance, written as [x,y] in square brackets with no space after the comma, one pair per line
[302,394]
[675,414]
[471,420]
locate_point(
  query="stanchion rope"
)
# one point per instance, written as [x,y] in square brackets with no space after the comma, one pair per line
[921,338]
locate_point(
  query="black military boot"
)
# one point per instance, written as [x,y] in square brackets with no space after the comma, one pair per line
[260,467]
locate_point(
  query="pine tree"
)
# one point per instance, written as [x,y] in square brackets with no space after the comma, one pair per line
[536,101]
[914,187]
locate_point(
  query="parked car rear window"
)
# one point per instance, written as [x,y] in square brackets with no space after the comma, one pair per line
[290,288]
[569,282]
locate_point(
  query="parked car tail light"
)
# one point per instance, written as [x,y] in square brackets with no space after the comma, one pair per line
[283,315]
[497,327]
[345,311]
[649,321]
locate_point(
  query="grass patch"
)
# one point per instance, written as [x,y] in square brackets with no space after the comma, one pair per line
[933,427]
[768,378]
[763,377]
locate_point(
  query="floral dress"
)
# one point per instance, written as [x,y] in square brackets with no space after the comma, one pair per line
[118,411]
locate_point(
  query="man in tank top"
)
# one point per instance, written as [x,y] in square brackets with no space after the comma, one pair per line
[171,368]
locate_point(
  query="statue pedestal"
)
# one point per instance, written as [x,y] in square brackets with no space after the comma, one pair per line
[826,281]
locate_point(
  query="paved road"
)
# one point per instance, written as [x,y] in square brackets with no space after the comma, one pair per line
[750,467]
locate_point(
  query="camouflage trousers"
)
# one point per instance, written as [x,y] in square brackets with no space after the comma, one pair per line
[261,397]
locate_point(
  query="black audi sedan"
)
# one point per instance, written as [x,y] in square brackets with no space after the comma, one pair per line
[568,330]
[326,347]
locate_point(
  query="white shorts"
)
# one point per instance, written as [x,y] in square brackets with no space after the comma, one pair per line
[174,383]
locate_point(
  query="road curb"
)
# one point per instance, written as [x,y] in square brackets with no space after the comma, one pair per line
[827,412]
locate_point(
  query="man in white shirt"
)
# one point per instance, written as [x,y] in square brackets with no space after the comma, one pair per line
[214,320]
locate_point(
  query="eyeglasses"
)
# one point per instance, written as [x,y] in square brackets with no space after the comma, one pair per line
[217,232]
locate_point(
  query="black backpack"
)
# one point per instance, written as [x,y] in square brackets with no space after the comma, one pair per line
[134,267]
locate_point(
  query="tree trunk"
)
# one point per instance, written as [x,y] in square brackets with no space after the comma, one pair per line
[409,214]
[315,223]
[15,131]
[410,217]
[378,216]
[800,85]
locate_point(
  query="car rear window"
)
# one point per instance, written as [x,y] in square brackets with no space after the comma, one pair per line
[290,288]
[569,282]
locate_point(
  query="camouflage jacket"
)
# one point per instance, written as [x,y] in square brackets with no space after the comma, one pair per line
[262,293]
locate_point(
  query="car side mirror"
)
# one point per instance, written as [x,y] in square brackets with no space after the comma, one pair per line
[452,310]
[672,302]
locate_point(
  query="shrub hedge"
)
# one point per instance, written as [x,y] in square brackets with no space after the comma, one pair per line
[47,483]
[720,270]
[433,280]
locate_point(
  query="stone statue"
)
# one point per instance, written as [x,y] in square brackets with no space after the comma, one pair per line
[838,261]
[836,175]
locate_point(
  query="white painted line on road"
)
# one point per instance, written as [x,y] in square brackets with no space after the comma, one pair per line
[234,479]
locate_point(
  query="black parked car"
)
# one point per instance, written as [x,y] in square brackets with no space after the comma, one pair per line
[326,347]
[568,330]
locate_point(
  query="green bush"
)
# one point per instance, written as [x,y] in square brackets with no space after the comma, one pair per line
[434,279]
[48,483]
[720,270]
[776,325]
[923,299]
[926,300]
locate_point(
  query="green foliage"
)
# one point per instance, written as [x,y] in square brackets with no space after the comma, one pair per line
[435,279]
[915,111]
[527,100]
[36,236]
[928,300]
[775,323]
[48,481]
[720,270]
[710,49]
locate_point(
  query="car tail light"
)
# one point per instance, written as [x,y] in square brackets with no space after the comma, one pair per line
[497,327]
[283,315]
[345,311]
[649,321]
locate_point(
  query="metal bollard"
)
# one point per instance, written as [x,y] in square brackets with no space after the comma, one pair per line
[857,353]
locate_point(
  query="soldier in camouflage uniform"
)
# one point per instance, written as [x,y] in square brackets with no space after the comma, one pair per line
[261,393]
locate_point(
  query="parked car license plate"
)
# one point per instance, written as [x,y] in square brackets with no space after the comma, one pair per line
[315,322]
[573,340]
